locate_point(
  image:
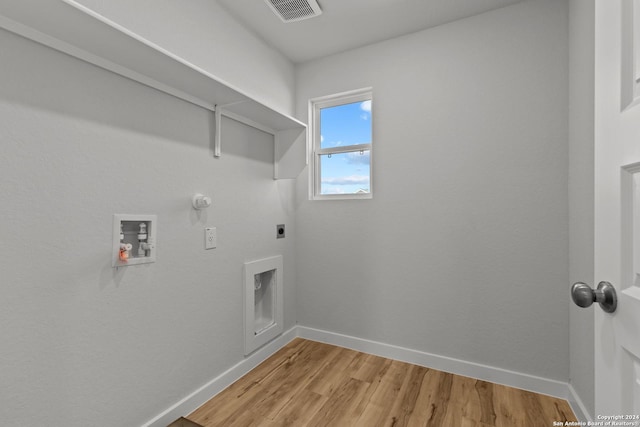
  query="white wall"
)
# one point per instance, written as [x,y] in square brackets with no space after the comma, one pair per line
[85,344]
[463,251]
[205,34]
[581,195]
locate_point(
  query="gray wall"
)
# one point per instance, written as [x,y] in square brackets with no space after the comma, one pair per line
[581,195]
[85,344]
[463,251]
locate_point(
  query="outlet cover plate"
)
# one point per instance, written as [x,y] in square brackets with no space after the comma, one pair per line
[210,238]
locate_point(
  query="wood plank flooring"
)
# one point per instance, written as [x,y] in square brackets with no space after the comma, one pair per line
[310,384]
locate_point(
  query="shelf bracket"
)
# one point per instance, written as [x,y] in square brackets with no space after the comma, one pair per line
[218,131]
[290,148]
[220,111]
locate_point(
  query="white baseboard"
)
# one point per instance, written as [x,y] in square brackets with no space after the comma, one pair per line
[578,406]
[447,364]
[196,399]
[519,380]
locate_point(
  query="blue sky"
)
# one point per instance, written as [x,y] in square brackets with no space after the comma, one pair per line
[343,125]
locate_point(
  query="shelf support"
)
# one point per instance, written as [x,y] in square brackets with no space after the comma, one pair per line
[219,111]
[290,148]
[218,131]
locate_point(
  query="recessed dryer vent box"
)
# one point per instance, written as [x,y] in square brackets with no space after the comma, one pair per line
[134,239]
[263,295]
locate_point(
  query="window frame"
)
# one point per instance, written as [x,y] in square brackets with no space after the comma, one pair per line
[315,105]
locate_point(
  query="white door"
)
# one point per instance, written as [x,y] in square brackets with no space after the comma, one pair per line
[617,211]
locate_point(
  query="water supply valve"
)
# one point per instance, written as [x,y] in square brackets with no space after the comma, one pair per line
[134,239]
[125,251]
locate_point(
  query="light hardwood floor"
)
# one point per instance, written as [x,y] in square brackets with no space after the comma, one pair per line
[308,383]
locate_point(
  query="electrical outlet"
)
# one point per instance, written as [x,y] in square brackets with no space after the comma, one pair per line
[210,238]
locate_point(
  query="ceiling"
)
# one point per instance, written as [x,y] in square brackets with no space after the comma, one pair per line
[347,24]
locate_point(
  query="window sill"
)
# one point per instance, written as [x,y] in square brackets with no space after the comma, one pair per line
[361,196]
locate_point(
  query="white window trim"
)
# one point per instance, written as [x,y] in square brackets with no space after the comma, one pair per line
[315,105]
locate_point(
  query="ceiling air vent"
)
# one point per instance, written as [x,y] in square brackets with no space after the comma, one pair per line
[294,10]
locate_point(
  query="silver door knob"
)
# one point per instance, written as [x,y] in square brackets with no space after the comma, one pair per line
[605,295]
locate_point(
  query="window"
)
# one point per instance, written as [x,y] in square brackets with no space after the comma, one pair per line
[341,135]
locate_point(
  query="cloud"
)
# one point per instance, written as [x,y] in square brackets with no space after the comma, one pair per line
[347,180]
[366,106]
[355,158]
[333,190]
